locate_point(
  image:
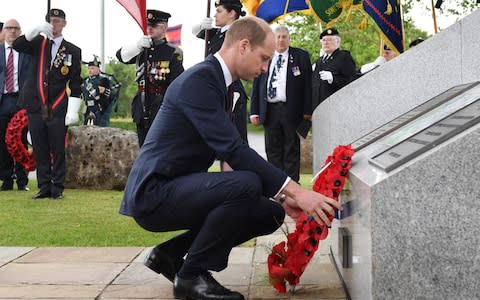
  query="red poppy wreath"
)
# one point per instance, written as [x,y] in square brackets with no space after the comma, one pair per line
[288,260]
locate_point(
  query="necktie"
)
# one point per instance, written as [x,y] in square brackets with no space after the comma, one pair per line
[229,105]
[272,88]
[9,84]
[325,58]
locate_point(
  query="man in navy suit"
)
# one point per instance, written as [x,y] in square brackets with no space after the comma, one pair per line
[11,82]
[169,187]
[55,63]
[281,99]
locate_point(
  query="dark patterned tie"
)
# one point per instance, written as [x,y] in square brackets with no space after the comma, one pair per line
[272,90]
[9,84]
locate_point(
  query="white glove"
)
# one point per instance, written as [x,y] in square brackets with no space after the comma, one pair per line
[326,75]
[144,42]
[72,110]
[46,28]
[130,51]
[370,66]
[206,24]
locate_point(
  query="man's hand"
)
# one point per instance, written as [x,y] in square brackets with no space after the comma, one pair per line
[144,42]
[255,120]
[312,203]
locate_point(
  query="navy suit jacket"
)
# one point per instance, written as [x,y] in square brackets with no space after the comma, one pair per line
[23,63]
[190,131]
[298,89]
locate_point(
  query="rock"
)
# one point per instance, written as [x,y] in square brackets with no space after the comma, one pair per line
[99,158]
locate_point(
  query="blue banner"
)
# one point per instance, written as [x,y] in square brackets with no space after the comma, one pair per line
[271,10]
[387,16]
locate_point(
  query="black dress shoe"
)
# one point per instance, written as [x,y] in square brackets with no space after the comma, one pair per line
[23,188]
[56,196]
[204,287]
[41,195]
[162,262]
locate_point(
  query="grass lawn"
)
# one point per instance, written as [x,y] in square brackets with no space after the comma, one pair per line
[83,218]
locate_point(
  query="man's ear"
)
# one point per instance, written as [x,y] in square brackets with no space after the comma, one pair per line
[244,45]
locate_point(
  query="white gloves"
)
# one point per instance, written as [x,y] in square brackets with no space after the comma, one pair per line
[370,66]
[46,28]
[72,110]
[326,75]
[130,51]
[144,42]
[206,24]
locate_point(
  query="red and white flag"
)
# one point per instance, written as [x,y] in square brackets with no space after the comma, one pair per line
[138,10]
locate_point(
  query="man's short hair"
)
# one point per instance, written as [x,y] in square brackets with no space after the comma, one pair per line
[251,28]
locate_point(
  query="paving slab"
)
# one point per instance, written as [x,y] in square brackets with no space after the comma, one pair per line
[83,254]
[8,254]
[71,292]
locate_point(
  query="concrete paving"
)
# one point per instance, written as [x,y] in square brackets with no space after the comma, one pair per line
[118,273]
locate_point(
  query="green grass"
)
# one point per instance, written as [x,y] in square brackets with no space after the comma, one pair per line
[83,218]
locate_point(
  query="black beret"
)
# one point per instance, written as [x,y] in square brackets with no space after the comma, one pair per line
[55,12]
[157,16]
[103,81]
[94,63]
[415,42]
[228,3]
[329,31]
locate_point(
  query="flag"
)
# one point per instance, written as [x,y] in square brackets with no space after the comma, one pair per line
[328,11]
[138,10]
[387,16]
[271,10]
[174,35]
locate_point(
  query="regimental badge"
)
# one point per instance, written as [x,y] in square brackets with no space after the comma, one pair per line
[329,31]
[64,70]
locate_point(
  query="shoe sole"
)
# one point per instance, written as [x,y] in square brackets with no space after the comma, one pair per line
[164,269]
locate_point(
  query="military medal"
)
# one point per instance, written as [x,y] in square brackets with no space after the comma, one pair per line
[64,70]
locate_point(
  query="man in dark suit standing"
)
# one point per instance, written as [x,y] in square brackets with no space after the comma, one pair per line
[169,187]
[281,99]
[13,72]
[334,68]
[55,64]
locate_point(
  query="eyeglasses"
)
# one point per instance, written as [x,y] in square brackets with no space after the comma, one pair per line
[327,39]
[14,28]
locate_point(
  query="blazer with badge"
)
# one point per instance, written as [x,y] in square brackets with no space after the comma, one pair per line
[298,89]
[190,131]
[23,63]
[65,70]
[343,69]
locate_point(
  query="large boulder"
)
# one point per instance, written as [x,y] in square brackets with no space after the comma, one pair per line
[99,157]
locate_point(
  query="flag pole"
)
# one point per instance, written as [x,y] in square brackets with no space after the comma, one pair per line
[434,18]
[206,31]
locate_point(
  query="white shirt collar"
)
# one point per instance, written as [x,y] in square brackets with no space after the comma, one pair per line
[226,72]
[225,28]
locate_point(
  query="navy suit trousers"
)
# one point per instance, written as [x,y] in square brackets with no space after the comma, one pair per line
[218,210]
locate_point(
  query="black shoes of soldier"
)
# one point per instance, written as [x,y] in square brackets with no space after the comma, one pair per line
[162,262]
[204,287]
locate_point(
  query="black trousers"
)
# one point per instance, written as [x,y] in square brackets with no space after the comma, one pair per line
[218,210]
[282,143]
[48,140]
[9,169]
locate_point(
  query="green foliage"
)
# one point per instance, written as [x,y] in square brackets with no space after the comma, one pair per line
[125,74]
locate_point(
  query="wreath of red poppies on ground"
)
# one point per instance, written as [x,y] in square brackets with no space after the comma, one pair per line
[288,260]
[13,139]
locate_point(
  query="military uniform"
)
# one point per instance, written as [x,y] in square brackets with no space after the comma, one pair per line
[164,63]
[96,101]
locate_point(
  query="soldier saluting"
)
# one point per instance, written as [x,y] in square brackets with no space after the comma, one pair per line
[162,61]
